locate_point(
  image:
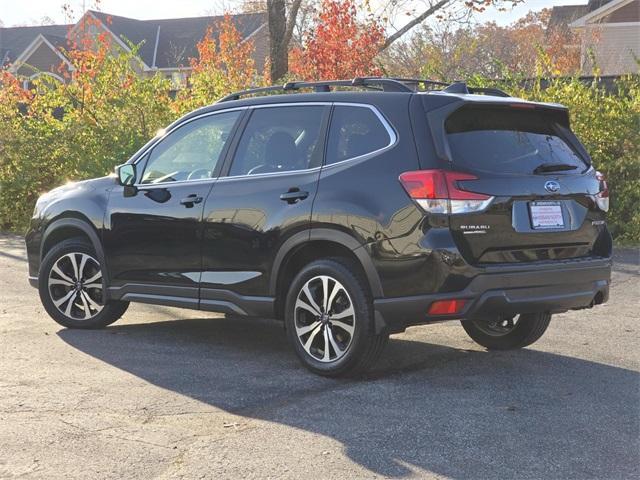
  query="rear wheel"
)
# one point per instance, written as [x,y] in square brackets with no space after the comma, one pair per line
[71,287]
[329,319]
[506,333]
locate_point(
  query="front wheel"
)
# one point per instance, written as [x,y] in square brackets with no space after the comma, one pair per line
[71,287]
[329,319]
[507,333]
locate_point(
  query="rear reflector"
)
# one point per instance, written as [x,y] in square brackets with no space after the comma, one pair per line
[446,307]
[438,191]
[602,198]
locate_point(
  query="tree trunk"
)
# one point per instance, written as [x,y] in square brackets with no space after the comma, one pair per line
[278,54]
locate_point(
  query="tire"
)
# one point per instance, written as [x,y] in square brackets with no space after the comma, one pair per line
[353,344]
[492,335]
[73,303]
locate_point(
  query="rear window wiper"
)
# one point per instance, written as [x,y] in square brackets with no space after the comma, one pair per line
[553,167]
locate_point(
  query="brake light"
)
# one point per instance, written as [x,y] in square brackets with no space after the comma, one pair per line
[602,198]
[446,307]
[526,106]
[438,191]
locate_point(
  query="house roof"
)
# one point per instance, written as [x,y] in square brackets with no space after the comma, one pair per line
[164,43]
[55,43]
[563,15]
[14,40]
[599,9]
[172,42]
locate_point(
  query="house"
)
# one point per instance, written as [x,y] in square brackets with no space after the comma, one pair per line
[562,15]
[610,36]
[165,46]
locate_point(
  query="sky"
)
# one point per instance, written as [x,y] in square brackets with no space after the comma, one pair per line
[30,12]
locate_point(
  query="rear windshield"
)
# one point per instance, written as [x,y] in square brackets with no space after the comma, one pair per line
[509,140]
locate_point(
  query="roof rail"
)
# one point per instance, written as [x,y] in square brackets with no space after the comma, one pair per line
[418,81]
[392,84]
[375,83]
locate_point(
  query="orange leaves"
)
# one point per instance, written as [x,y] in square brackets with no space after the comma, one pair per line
[89,47]
[529,44]
[229,53]
[338,45]
[224,64]
[11,89]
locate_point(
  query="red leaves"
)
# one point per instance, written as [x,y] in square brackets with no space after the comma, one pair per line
[339,45]
[88,49]
[11,89]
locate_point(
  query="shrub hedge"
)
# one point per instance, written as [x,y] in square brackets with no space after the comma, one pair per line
[54,134]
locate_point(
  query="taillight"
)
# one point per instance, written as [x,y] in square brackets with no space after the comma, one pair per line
[438,191]
[602,198]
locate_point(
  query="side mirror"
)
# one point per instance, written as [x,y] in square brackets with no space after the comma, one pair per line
[126,174]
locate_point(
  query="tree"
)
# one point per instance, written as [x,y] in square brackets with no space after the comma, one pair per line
[281,25]
[222,66]
[47,20]
[282,21]
[525,48]
[338,45]
[442,9]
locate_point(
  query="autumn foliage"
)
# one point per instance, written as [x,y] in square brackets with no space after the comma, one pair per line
[224,64]
[106,109]
[338,45]
[527,47]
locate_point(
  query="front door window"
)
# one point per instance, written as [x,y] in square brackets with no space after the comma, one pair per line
[192,152]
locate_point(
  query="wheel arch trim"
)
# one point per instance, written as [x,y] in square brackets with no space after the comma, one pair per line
[86,228]
[328,235]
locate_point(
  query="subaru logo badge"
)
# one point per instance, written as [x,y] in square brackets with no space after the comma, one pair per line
[552,186]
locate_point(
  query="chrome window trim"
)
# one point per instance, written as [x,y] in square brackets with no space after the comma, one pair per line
[268,174]
[393,138]
[290,104]
[148,186]
[168,132]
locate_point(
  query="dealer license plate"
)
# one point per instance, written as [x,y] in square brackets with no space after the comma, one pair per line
[546,215]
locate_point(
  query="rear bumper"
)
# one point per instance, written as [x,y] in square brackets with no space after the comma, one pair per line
[508,290]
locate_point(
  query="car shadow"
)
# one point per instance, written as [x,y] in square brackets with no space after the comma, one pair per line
[454,412]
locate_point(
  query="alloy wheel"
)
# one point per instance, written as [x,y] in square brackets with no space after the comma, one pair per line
[498,327]
[324,318]
[75,286]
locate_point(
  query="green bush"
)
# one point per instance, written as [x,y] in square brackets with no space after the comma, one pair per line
[83,128]
[59,133]
[110,112]
[608,124]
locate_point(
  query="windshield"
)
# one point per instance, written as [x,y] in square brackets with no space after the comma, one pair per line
[509,140]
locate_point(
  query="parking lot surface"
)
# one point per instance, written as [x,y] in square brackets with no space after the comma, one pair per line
[167,393]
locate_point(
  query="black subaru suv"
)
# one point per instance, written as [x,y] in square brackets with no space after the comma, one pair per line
[349,209]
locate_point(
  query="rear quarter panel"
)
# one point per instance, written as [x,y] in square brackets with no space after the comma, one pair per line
[364,199]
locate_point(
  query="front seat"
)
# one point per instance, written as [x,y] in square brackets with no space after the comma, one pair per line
[281,153]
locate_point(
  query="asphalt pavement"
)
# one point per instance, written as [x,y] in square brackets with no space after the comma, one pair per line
[168,393]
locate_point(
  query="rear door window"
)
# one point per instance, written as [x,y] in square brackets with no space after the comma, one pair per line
[509,140]
[355,131]
[280,139]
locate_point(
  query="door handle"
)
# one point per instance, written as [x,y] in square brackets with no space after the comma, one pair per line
[294,195]
[191,200]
